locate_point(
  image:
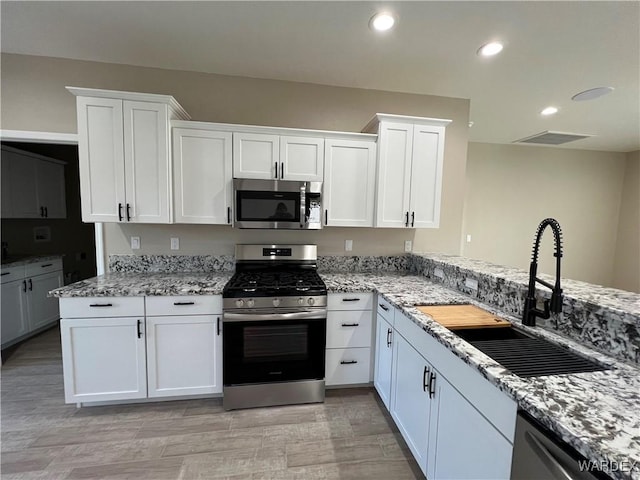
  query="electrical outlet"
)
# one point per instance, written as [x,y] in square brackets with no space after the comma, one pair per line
[175,243]
[437,272]
[468,238]
[471,283]
[348,245]
[135,243]
[408,245]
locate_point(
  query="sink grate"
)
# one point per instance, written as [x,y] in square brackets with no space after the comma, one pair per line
[531,357]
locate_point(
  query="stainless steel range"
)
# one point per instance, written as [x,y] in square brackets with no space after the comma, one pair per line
[274,319]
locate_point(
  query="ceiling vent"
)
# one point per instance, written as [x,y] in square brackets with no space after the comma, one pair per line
[552,138]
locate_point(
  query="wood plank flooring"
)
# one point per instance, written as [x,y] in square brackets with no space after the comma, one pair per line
[350,436]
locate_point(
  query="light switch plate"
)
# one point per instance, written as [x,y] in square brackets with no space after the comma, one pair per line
[348,245]
[408,245]
[471,283]
[437,272]
[175,243]
[135,243]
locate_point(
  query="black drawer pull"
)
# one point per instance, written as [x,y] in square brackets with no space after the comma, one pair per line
[139,330]
[184,303]
[384,307]
[350,299]
[46,265]
[350,324]
[101,305]
[389,332]
[348,362]
[5,273]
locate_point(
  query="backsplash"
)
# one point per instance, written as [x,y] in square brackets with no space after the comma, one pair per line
[363,263]
[171,263]
[604,318]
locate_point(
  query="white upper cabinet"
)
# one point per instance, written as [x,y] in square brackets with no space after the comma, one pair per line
[124,147]
[349,188]
[202,174]
[270,156]
[410,160]
[32,185]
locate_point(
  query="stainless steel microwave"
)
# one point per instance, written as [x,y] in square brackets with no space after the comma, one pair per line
[277,204]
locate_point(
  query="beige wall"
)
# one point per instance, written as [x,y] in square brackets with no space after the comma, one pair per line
[511,188]
[34,98]
[626,273]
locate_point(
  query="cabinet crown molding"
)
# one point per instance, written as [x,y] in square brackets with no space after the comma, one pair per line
[372,126]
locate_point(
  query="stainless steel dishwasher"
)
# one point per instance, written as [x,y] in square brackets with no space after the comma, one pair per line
[539,454]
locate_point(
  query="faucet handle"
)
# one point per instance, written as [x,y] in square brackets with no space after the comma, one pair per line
[556,301]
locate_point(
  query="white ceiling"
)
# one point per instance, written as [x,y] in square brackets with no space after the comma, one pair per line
[553,50]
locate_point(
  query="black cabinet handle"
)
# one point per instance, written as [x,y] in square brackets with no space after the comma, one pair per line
[42,211]
[30,285]
[389,332]
[101,305]
[139,330]
[432,384]
[120,212]
[184,303]
[276,169]
[350,324]
[228,214]
[348,362]
[46,265]
[46,212]
[282,171]
[326,217]
[406,219]
[413,217]
[218,326]
[4,273]
[24,285]
[351,299]
[384,307]
[424,379]
[128,212]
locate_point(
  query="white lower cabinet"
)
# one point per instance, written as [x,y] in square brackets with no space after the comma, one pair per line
[349,330]
[456,424]
[110,351]
[103,359]
[15,319]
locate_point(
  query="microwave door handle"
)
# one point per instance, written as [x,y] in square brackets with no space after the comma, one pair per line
[303,204]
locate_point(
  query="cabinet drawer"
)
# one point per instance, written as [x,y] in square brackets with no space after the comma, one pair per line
[100,307]
[385,309]
[33,269]
[184,305]
[9,274]
[349,329]
[350,301]
[346,366]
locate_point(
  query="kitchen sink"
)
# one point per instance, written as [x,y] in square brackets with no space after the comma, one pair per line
[526,355]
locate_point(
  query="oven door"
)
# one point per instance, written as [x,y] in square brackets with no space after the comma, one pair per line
[266,350]
[269,204]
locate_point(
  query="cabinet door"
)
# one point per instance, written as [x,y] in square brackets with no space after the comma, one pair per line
[51,193]
[14,311]
[146,153]
[184,355]
[384,360]
[426,176]
[349,183]
[23,189]
[43,309]
[5,201]
[459,431]
[302,158]
[101,155]
[202,164]
[256,155]
[410,404]
[103,359]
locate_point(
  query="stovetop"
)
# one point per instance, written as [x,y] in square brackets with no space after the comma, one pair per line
[275,283]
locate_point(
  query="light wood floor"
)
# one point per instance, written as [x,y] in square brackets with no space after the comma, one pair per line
[350,436]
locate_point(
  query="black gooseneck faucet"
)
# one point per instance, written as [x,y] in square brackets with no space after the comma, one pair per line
[531,310]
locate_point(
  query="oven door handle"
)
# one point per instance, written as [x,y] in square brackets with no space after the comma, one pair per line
[256,317]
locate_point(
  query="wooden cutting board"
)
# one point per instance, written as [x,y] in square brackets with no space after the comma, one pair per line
[457,317]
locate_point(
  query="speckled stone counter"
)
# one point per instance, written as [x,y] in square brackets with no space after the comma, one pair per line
[19,260]
[146,284]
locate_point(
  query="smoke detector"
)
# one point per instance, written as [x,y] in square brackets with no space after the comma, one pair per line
[552,138]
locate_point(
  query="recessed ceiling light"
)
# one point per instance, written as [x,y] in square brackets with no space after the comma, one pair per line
[549,111]
[490,49]
[592,93]
[382,21]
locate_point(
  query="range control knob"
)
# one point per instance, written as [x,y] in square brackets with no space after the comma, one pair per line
[311,301]
[250,303]
[239,303]
[276,302]
[301,301]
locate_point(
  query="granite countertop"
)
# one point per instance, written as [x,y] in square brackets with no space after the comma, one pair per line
[594,412]
[19,260]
